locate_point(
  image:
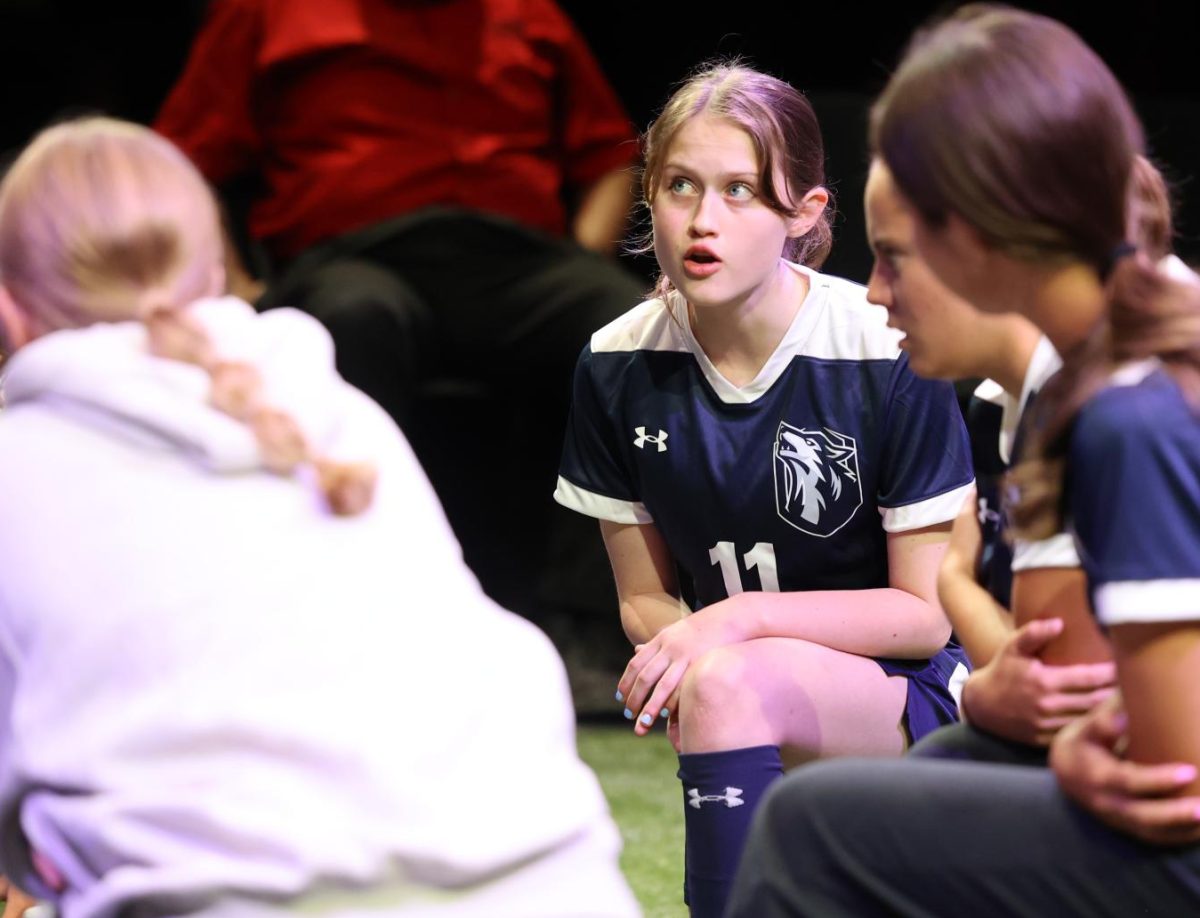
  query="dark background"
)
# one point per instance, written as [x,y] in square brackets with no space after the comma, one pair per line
[64,57]
[59,57]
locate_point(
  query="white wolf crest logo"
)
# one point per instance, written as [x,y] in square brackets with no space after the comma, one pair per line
[817,487]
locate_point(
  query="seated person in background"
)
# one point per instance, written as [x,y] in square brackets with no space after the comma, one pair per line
[441,184]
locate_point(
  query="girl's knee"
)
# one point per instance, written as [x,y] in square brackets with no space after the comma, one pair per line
[717,681]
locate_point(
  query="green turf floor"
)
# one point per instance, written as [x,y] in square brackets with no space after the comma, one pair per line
[638,777]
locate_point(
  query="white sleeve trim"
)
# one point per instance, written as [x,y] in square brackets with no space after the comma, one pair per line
[1134,602]
[934,510]
[1056,551]
[954,686]
[1175,268]
[590,503]
[1043,363]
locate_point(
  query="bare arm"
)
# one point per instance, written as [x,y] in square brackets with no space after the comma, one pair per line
[1014,692]
[16,902]
[1017,696]
[1156,668]
[901,620]
[1061,592]
[603,212]
[645,577]
[1142,800]
[980,623]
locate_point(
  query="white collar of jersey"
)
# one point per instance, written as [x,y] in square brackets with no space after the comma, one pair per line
[1132,373]
[1174,267]
[798,333]
[1042,365]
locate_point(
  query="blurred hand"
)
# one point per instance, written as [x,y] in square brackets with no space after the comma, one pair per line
[1019,697]
[651,680]
[16,902]
[1130,797]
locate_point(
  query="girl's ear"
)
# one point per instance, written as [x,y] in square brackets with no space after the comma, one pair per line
[812,205]
[15,332]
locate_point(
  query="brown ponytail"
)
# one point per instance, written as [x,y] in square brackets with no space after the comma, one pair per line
[1150,315]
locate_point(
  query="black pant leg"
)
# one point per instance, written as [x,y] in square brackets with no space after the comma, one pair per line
[381,327]
[970,744]
[923,838]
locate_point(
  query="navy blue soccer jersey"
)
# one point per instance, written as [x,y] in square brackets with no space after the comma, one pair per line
[790,482]
[987,417]
[1134,498]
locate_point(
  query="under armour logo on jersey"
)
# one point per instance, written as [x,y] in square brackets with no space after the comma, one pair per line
[643,438]
[987,516]
[731,798]
[817,487]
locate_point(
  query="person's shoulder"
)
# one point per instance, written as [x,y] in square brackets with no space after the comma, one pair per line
[1141,413]
[840,289]
[851,327]
[649,326]
[1134,403]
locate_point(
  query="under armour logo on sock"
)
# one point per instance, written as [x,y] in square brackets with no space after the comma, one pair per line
[732,797]
[643,438]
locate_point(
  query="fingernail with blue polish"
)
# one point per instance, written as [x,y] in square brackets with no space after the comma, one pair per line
[664,713]
[628,714]
[646,719]
[619,696]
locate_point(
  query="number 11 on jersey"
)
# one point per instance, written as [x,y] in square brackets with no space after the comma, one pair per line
[761,558]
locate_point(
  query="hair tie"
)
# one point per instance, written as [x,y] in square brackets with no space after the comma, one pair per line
[1120,250]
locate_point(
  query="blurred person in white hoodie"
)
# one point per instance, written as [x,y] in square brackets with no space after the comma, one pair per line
[243,668]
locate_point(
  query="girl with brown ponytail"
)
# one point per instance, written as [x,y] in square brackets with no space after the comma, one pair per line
[1015,147]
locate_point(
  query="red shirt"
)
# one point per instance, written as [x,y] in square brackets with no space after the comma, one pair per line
[354,111]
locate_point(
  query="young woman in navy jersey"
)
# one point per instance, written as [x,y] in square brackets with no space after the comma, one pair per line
[758,450]
[1021,206]
[1043,663]
[1014,699]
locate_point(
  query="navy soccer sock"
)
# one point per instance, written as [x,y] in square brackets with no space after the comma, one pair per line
[721,790]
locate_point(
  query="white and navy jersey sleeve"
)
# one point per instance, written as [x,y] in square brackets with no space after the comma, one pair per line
[598,474]
[789,482]
[593,477]
[987,413]
[1058,550]
[926,469]
[1134,500]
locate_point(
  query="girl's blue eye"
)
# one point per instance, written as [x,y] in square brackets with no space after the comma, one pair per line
[741,191]
[680,185]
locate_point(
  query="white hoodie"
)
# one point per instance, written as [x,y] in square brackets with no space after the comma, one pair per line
[217,698]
